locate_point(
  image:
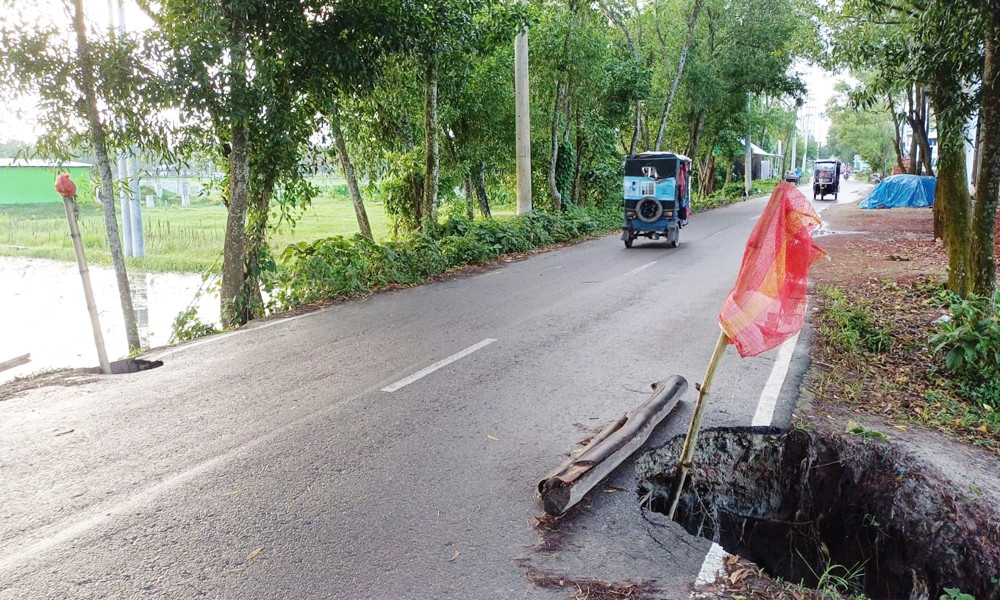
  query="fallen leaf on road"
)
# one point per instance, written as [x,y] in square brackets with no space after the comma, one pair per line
[254,554]
[494,438]
[612,490]
[454,556]
[900,427]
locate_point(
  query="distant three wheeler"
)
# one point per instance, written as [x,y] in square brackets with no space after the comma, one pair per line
[826,178]
[657,189]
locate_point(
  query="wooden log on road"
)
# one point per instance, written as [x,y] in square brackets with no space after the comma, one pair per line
[567,485]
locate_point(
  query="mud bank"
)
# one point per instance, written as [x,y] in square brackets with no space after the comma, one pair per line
[797,502]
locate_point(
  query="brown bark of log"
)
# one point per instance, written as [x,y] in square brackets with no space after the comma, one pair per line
[98,138]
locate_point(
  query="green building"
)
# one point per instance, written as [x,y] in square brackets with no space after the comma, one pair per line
[31,181]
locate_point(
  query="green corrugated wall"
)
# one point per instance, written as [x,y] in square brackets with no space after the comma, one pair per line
[34,185]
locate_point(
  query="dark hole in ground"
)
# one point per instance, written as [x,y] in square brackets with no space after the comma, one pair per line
[797,503]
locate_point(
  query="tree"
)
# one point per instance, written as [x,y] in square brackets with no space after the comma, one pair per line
[82,84]
[868,133]
[250,80]
[937,46]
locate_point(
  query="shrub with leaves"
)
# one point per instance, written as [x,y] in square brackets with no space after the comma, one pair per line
[338,267]
[970,344]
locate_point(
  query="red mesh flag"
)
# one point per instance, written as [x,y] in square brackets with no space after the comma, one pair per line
[767,305]
[65,185]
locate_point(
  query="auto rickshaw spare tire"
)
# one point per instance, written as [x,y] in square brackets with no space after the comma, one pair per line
[648,210]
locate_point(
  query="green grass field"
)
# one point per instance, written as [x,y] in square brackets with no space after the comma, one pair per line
[177,238]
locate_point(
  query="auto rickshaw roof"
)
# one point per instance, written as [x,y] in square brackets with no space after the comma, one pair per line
[662,164]
[658,154]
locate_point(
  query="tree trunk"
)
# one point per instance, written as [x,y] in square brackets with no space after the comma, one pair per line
[988,179]
[98,138]
[897,124]
[433,162]
[484,203]
[233,255]
[952,196]
[681,61]
[470,200]
[251,303]
[554,151]
[352,178]
[617,20]
[578,161]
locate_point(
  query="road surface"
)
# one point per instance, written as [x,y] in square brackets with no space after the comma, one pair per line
[386,447]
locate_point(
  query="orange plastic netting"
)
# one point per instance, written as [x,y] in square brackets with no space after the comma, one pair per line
[767,305]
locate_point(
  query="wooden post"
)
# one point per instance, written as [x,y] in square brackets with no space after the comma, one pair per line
[88,292]
[684,463]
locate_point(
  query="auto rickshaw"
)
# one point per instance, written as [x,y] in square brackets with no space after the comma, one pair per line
[657,196]
[826,178]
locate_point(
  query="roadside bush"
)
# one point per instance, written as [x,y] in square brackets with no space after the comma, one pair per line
[970,344]
[849,323]
[339,267]
[731,193]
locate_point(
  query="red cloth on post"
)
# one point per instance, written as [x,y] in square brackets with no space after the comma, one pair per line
[65,185]
[767,305]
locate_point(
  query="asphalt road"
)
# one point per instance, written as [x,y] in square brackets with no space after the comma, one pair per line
[271,463]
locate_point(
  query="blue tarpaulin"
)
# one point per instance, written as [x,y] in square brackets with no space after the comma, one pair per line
[902,190]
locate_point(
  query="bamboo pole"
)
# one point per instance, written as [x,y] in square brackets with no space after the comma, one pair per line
[684,463]
[88,292]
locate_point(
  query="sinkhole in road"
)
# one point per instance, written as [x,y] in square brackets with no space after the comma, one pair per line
[798,502]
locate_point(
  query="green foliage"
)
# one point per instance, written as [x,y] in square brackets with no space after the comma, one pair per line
[866,132]
[955,594]
[338,267]
[187,326]
[732,193]
[970,343]
[848,323]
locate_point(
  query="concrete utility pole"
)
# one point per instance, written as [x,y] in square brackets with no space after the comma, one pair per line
[122,170]
[133,240]
[805,141]
[522,108]
[748,159]
[795,139]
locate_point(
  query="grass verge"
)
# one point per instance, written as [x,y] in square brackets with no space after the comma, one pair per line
[874,352]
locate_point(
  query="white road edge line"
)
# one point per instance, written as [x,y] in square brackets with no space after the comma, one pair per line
[712,564]
[637,269]
[439,364]
[769,397]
